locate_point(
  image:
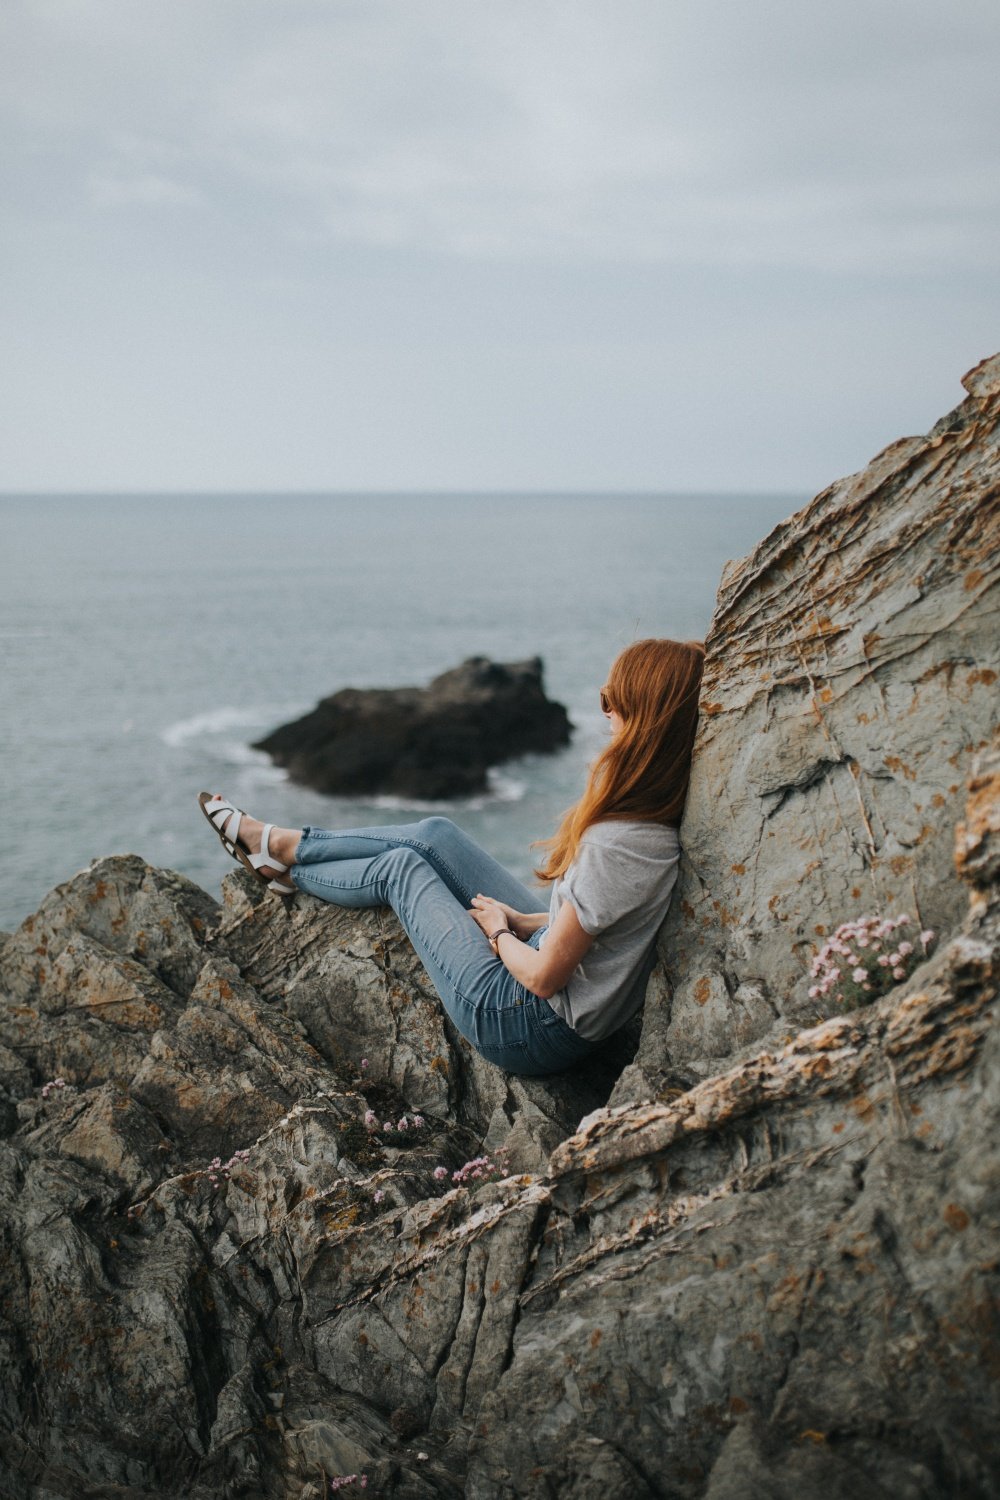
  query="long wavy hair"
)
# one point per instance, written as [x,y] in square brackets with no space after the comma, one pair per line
[643,772]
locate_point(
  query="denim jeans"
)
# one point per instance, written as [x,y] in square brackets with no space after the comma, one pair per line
[428,872]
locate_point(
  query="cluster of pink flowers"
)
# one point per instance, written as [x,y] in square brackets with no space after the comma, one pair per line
[217,1166]
[54,1083]
[338,1481]
[863,959]
[480,1168]
[404,1123]
[378,1195]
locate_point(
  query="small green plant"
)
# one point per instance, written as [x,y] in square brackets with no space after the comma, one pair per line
[399,1132]
[55,1084]
[865,958]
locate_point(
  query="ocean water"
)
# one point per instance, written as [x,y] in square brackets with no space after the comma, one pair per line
[145,641]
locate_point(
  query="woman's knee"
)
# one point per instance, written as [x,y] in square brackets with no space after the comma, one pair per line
[436,831]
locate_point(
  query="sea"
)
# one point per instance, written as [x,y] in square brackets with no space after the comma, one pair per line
[147,640]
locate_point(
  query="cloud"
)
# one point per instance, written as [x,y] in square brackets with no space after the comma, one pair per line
[146,188]
[727,135]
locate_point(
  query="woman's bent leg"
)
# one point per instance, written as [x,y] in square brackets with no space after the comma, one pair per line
[466,869]
[482,998]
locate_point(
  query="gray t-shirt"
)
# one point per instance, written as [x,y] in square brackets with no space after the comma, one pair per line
[620,886]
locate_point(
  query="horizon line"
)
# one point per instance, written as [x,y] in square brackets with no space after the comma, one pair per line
[33,494]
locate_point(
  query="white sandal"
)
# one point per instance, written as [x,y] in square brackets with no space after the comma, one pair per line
[219,812]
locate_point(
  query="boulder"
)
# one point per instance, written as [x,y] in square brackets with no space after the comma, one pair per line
[422,743]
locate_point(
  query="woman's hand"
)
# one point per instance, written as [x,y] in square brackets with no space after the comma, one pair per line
[543,971]
[492,915]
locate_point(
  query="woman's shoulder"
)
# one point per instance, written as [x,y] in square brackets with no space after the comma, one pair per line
[633,835]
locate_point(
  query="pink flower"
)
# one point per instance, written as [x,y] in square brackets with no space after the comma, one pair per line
[898,973]
[378,1195]
[927,937]
[814,992]
[859,975]
[419,1120]
[884,960]
[364,1062]
[371,1118]
[388,1125]
[904,948]
[440,1172]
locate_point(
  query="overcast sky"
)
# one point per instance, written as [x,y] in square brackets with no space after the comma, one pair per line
[423,244]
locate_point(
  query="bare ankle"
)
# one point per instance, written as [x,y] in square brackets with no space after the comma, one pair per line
[284,842]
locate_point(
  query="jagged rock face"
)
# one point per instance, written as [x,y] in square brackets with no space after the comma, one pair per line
[780,1283]
[777,1283]
[431,742]
[139,1346]
[851,673]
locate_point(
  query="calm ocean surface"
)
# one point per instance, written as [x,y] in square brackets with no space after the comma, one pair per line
[146,640]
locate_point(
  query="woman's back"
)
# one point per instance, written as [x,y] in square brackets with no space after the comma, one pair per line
[619,885]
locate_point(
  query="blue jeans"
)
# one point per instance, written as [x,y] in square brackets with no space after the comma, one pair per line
[428,872]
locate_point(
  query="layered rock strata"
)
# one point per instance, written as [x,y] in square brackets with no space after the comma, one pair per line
[852,670]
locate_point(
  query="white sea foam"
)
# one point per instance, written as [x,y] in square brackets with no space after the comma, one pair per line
[216,721]
[504,788]
[501,788]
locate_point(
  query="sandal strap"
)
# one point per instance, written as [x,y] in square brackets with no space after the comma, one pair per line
[219,813]
[264,857]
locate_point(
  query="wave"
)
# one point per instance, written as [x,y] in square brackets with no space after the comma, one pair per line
[223,720]
[500,788]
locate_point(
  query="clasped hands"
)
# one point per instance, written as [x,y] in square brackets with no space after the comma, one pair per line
[492,915]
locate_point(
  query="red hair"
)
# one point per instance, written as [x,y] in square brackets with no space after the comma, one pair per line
[643,773]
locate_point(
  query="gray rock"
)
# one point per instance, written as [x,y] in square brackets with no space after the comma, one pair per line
[851,674]
[761,1264]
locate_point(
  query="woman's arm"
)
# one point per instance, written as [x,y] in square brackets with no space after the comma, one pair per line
[545,970]
[521,923]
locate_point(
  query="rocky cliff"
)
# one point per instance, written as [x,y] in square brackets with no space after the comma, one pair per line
[851,674]
[756,1259]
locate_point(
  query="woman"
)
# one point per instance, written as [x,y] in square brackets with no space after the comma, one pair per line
[533,991]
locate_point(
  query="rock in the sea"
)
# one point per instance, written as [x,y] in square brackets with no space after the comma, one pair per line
[235,1263]
[423,743]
